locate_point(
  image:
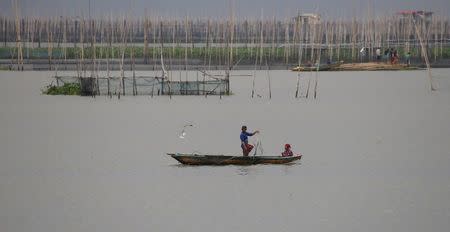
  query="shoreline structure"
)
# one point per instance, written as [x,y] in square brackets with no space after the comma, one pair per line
[69,43]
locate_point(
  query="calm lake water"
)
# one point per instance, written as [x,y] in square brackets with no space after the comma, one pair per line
[376,149]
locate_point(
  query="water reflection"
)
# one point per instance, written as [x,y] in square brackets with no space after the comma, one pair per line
[178,165]
[240,170]
[243,170]
[251,170]
[288,168]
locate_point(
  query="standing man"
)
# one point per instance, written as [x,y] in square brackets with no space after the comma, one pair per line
[392,55]
[408,59]
[378,53]
[246,148]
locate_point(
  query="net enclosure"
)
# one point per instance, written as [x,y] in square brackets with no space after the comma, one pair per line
[145,85]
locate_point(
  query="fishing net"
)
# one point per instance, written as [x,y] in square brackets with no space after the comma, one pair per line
[143,85]
[259,150]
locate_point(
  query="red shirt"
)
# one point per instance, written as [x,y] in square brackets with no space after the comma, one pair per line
[287,153]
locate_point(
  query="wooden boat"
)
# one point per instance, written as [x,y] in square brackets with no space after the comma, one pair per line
[322,67]
[373,66]
[195,159]
[367,66]
[309,68]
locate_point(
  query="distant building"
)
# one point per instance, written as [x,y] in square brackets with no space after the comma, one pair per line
[308,22]
[308,18]
[417,15]
[422,18]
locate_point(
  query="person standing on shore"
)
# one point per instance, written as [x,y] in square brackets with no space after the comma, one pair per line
[387,55]
[408,59]
[391,55]
[378,54]
[396,57]
[246,148]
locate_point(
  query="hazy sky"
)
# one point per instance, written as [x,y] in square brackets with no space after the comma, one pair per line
[220,8]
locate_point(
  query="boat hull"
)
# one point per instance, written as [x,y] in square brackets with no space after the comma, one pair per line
[370,66]
[194,159]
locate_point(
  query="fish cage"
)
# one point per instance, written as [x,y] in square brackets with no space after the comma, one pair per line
[144,85]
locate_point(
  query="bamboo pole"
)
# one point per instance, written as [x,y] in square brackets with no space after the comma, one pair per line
[425,56]
[254,70]
[15,5]
[50,44]
[186,42]
[353,40]
[442,30]
[93,50]
[145,52]
[82,65]
[133,61]
[65,42]
[286,44]
[123,31]
[342,38]
[300,53]
[28,33]
[154,43]
[272,42]
[318,61]
[108,51]
[4,30]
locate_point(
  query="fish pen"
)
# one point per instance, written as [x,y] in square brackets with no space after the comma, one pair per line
[211,42]
[144,85]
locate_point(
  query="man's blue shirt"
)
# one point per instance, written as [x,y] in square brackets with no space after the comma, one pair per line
[244,136]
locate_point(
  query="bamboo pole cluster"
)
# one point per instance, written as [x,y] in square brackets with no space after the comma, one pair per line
[277,41]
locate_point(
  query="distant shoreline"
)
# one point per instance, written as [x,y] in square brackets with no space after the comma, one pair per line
[175,65]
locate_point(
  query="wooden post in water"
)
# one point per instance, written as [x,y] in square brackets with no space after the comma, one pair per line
[93,54]
[319,41]
[154,44]
[300,30]
[442,29]
[145,52]
[354,30]
[4,30]
[425,56]
[65,42]
[122,48]
[82,65]
[133,61]
[18,36]
[273,29]
[49,44]
[164,72]
[186,42]
[286,43]
[108,50]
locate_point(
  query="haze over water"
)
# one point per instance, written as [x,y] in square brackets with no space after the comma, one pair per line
[219,8]
[375,144]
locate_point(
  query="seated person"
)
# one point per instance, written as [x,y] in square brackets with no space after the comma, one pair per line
[287,151]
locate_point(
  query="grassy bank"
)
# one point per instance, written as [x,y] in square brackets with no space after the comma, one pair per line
[215,55]
[66,89]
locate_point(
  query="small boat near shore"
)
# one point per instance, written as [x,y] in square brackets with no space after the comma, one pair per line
[195,159]
[373,66]
[369,66]
[324,67]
